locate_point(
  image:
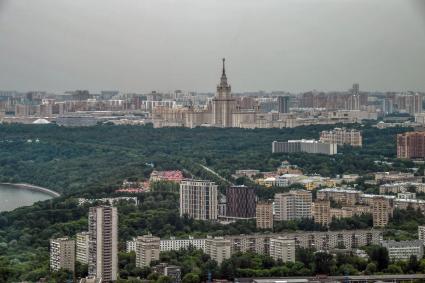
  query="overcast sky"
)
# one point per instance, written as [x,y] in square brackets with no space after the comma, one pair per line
[144,45]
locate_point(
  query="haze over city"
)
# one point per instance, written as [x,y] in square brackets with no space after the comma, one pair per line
[141,45]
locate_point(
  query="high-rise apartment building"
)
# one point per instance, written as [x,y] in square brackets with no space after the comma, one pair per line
[103,243]
[411,145]
[223,104]
[342,136]
[198,199]
[62,254]
[421,233]
[283,104]
[218,249]
[82,247]
[147,250]
[240,202]
[293,205]
[381,211]
[322,212]
[264,215]
[282,249]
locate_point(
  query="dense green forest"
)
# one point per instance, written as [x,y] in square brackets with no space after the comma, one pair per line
[92,162]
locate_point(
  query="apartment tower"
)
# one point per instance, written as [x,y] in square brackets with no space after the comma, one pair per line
[198,199]
[62,254]
[103,243]
[240,202]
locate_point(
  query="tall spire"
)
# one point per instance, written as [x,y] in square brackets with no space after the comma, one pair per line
[223,81]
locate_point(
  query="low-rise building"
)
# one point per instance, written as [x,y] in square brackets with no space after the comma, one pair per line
[343,196]
[308,146]
[403,250]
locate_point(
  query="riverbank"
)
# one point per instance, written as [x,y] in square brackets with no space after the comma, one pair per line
[33,188]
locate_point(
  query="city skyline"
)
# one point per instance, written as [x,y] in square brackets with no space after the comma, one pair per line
[144,46]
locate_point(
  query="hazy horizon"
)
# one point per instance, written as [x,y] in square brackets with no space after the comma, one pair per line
[144,45]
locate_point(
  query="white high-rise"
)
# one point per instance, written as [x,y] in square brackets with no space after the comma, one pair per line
[103,243]
[282,249]
[198,199]
[82,247]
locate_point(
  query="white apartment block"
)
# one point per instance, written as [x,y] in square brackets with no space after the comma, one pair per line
[174,244]
[62,254]
[103,243]
[404,250]
[82,247]
[218,249]
[198,199]
[282,249]
[147,250]
[293,205]
[130,246]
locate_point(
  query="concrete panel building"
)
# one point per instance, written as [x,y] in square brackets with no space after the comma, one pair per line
[62,254]
[264,215]
[282,249]
[218,249]
[103,243]
[293,205]
[307,146]
[403,250]
[82,247]
[147,250]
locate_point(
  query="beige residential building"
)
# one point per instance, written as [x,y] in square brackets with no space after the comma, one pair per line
[381,211]
[350,239]
[218,249]
[346,197]
[322,212]
[282,249]
[82,247]
[198,199]
[293,205]
[147,250]
[62,254]
[264,215]
[103,243]
[342,136]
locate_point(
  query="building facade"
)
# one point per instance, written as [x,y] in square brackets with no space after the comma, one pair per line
[218,249]
[322,212]
[381,211]
[264,215]
[240,202]
[403,250]
[62,254]
[308,146]
[293,205]
[82,247]
[282,249]
[411,145]
[198,199]
[342,136]
[103,243]
[223,104]
[147,250]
